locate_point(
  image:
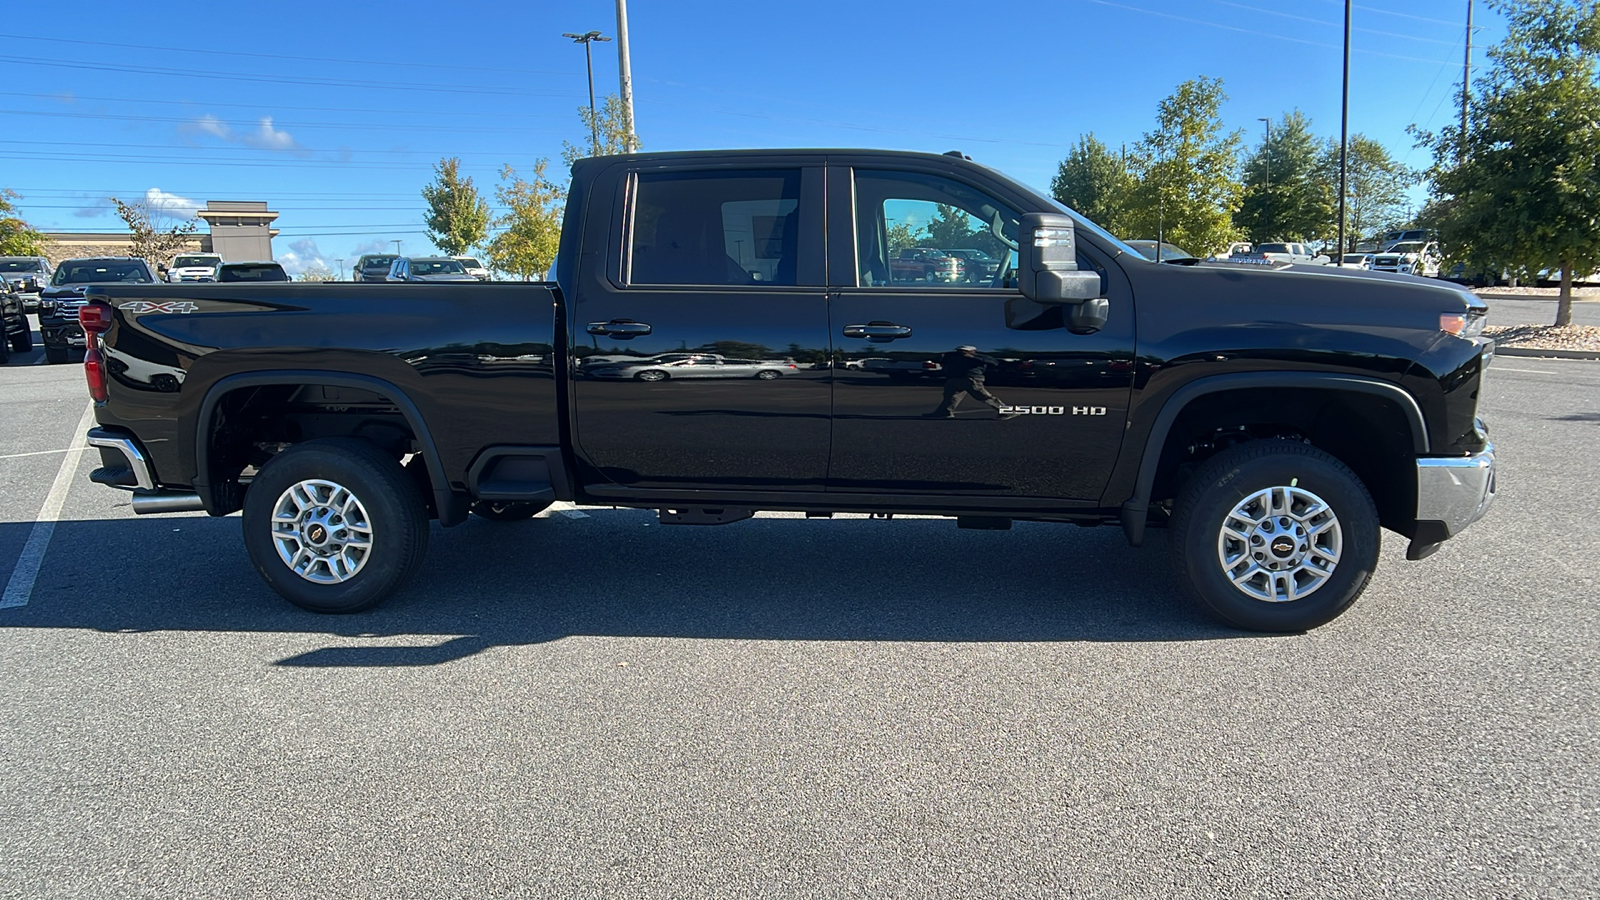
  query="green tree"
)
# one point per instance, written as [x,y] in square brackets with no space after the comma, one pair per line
[17,237]
[155,237]
[1188,189]
[949,227]
[1374,188]
[531,226]
[1095,182]
[458,217]
[1287,195]
[901,235]
[613,130]
[1521,187]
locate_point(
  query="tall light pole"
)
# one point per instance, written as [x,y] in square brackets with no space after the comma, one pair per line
[588,56]
[630,142]
[1344,130]
[1266,151]
[1466,86]
[396,247]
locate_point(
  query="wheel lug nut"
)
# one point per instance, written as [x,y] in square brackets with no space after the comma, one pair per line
[1261,556]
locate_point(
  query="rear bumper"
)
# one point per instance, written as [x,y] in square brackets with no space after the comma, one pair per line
[1452,493]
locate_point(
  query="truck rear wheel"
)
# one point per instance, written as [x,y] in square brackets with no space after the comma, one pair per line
[334,525]
[1275,536]
[55,355]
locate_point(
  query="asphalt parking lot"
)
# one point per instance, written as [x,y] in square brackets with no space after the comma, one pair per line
[589,704]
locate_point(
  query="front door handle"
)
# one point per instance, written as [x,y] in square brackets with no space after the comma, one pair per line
[619,328]
[877,331]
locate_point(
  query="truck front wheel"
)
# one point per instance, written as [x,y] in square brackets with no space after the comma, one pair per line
[1275,536]
[334,525]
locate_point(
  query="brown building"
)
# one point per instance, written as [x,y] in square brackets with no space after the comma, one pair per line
[239,231]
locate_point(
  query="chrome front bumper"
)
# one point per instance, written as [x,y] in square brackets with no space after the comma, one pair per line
[1452,493]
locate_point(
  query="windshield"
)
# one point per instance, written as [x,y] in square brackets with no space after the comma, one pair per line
[21,265]
[131,272]
[436,267]
[1273,248]
[268,272]
[1406,248]
[471,263]
[184,262]
[375,262]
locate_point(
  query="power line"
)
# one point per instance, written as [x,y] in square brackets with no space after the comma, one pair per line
[1266,34]
[73,98]
[1274,12]
[315,59]
[238,76]
[256,123]
[236,148]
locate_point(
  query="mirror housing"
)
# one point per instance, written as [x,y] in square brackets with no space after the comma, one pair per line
[1047,270]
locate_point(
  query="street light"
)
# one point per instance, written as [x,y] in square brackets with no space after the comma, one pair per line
[1266,150]
[588,58]
[396,247]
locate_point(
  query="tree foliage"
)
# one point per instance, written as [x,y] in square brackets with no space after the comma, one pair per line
[1096,183]
[1374,190]
[458,217]
[1521,187]
[155,236]
[1287,194]
[316,272]
[613,132]
[531,226]
[17,237]
[901,235]
[1187,168]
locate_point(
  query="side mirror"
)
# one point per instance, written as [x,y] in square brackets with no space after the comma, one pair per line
[1047,268]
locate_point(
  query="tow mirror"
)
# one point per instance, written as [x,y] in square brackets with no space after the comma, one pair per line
[1047,268]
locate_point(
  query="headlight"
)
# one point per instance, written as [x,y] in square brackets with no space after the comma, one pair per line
[47,306]
[1464,325]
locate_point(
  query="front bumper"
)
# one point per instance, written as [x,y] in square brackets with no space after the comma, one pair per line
[56,331]
[1452,493]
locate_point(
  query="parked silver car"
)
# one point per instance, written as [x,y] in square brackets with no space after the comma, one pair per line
[698,366]
[427,269]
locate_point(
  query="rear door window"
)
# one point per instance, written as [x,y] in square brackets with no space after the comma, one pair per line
[716,228]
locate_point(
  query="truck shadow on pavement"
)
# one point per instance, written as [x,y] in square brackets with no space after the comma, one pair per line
[620,573]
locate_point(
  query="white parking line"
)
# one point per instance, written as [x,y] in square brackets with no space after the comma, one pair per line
[37,453]
[1526,371]
[20,588]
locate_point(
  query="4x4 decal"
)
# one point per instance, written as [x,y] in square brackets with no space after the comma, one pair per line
[147,306]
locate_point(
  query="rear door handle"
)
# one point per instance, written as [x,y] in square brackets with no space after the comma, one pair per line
[619,328]
[877,331]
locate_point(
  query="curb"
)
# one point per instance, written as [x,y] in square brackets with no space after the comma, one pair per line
[1535,353]
[1586,298]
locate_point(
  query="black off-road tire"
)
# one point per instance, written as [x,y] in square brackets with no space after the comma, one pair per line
[22,341]
[5,353]
[1230,477]
[393,503]
[56,355]
[507,510]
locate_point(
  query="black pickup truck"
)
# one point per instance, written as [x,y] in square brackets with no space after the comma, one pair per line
[1272,418]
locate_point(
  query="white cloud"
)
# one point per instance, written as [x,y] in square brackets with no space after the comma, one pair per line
[211,125]
[302,255]
[268,138]
[264,136]
[173,205]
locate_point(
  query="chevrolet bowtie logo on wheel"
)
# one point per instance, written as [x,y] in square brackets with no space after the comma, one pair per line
[147,306]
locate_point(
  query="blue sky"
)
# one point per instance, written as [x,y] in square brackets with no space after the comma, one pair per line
[335,114]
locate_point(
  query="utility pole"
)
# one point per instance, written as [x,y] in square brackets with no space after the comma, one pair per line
[630,142]
[1266,150]
[1466,87]
[396,247]
[588,58]
[341,268]
[1344,129]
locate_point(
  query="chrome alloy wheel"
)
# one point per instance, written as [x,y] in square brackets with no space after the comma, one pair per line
[1280,544]
[321,531]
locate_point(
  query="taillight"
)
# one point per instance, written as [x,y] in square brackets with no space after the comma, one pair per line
[94,371]
[96,320]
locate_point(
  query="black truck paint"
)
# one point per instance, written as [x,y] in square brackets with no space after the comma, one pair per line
[482,385]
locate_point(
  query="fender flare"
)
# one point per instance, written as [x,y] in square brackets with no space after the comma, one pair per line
[451,511]
[1136,508]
